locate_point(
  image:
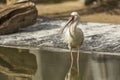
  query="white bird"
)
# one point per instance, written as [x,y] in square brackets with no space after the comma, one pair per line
[73,36]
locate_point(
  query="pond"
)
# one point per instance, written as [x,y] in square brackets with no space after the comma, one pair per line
[53,63]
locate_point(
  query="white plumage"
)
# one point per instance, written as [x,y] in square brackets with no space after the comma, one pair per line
[73,36]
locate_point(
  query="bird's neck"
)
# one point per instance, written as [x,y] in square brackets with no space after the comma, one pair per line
[74,26]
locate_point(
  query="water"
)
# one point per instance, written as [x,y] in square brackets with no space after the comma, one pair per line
[48,63]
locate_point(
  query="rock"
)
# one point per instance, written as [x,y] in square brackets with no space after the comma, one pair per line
[17,15]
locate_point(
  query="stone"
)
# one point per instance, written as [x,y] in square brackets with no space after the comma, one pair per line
[17,15]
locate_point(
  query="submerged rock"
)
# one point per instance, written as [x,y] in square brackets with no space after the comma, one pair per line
[16,63]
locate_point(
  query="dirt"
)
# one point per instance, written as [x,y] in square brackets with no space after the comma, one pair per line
[104,13]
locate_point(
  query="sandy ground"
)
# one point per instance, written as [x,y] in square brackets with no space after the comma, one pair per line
[102,14]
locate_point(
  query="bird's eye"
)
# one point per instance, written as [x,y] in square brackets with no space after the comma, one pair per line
[72,17]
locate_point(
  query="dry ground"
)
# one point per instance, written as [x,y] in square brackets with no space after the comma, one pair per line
[99,14]
[104,14]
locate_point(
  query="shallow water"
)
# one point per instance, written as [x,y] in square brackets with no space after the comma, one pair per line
[53,64]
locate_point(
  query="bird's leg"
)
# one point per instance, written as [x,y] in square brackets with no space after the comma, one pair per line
[78,63]
[69,72]
[71,55]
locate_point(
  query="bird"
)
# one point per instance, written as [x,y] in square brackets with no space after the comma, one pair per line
[73,36]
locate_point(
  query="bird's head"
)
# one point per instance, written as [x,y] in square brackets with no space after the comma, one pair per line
[74,16]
